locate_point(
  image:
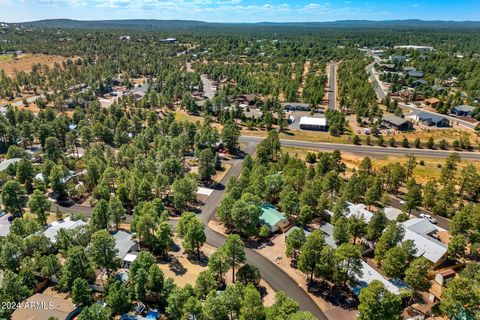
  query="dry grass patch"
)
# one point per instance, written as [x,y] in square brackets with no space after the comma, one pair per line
[25,62]
[431,169]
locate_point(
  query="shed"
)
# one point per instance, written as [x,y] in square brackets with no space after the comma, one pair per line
[444,275]
[272,218]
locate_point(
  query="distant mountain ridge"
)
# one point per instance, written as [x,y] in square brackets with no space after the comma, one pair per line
[151,24]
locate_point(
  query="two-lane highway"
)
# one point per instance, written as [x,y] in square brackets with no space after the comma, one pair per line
[367,150]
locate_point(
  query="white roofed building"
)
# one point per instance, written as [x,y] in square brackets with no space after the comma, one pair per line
[423,233]
[359,211]
[311,123]
[55,227]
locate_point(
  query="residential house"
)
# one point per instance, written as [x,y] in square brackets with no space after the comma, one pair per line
[369,274]
[415,74]
[42,306]
[424,235]
[124,244]
[398,58]
[358,211]
[432,102]
[438,89]
[273,219]
[398,123]
[287,234]
[311,123]
[430,119]
[249,98]
[327,230]
[408,69]
[463,110]
[390,67]
[418,83]
[67,224]
[140,92]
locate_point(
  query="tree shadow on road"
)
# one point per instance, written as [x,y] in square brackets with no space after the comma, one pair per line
[336,295]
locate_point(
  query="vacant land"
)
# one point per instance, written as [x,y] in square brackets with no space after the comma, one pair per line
[24,63]
[431,167]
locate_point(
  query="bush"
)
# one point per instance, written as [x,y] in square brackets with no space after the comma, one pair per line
[264,232]
[421,162]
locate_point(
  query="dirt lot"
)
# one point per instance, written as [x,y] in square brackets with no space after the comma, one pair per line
[185,271]
[25,63]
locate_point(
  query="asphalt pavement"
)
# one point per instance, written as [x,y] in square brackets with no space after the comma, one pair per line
[332,82]
[368,150]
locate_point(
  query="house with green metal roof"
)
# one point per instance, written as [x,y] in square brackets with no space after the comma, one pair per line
[272,218]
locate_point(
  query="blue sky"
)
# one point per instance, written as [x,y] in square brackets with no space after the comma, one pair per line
[239,10]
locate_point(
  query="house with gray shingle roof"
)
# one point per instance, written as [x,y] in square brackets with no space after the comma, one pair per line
[463,110]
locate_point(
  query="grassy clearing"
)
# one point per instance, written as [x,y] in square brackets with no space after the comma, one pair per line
[431,169]
[302,135]
[183,116]
[5,57]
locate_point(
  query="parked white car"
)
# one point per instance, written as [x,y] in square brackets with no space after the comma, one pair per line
[428,217]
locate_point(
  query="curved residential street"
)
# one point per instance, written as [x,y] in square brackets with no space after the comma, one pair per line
[275,276]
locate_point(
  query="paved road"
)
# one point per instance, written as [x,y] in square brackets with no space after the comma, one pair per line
[207,86]
[332,86]
[367,150]
[273,275]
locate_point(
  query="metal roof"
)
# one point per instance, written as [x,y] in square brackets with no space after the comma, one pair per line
[418,230]
[123,243]
[67,224]
[464,108]
[271,216]
[393,119]
[5,163]
[311,121]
